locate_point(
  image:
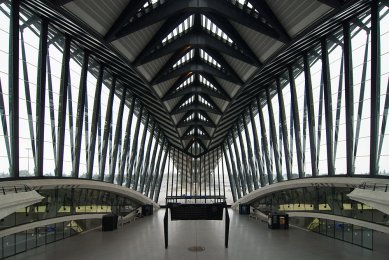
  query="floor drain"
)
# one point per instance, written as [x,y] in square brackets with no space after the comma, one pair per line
[196,248]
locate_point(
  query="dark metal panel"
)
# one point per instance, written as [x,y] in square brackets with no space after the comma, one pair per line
[80,114]
[62,106]
[375,86]
[311,117]
[13,79]
[328,107]
[95,119]
[126,143]
[349,92]
[284,129]
[118,139]
[107,128]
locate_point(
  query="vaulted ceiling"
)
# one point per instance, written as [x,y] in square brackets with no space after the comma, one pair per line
[200,59]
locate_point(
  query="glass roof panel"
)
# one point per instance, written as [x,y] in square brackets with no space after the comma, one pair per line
[180,29]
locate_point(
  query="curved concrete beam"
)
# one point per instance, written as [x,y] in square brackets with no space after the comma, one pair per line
[45,184]
[374,198]
[11,202]
[352,182]
[42,223]
[361,223]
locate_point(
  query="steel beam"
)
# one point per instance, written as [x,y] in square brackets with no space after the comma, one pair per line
[248,178]
[13,80]
[118,139]
[141,152]
[311,116]
[145,173]
[65,75]
[80,114]
[250,154]
[161,173]
[375,86]
[284,127]
[157,169]
[349,96]
[95,120]
[107,128]
[328,107]
[273,136]
[257,152]
[151,170]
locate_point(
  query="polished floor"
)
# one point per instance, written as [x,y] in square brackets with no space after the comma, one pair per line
[249,239]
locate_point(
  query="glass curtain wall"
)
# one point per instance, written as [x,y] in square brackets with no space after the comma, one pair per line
[323,115]
[75,117]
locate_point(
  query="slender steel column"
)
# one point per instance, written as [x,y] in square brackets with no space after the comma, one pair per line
[161,175]
[28,100]
[328,107]
[107,128]
[239,184]
[272,124]
[95,119]
[349,89]
[296,123]
[41,96]
[118,138]
[265,143]
[62,106]
[134,148]
[151,169]
[157,169]
[375,86]
[284,128]
[80,113]
[234,188]
[244,159]
[144,173]
[141,152]
[311,115]
[257,150]
[239,165]
[224,184]
[51,107]
[250,154]
[126,143]
[13,79]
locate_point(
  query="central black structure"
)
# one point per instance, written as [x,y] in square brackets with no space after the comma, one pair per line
[197,211]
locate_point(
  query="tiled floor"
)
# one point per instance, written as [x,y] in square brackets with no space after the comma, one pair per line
[249,239]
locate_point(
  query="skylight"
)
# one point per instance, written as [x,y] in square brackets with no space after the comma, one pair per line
[188,101]
[186,82]
[208,58]
[211,27]
[190,117]
[205,82]
[152,2]
[181,28]
[196,131]
[205,102]
[187,57]
[202,118]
